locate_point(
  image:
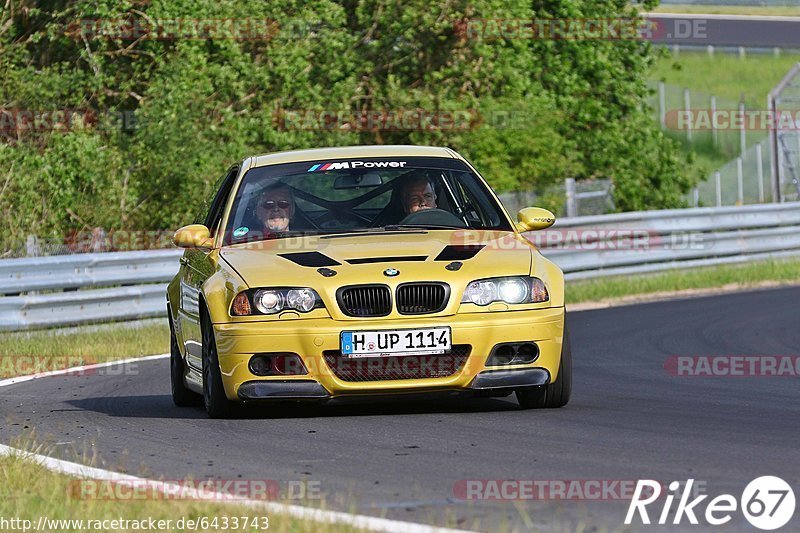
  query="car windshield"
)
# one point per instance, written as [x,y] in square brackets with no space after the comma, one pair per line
[361,195]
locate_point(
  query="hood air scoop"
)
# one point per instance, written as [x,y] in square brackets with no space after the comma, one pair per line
[367,260]
[459,252]
[311,259]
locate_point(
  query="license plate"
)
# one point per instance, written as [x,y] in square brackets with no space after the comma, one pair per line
[422,341]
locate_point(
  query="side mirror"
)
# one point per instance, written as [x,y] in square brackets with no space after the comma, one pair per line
[193,236]
[535,218]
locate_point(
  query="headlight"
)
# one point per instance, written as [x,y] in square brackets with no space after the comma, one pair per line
[301,299]
[271,301]
[512,290]
[268,302]
[481,292]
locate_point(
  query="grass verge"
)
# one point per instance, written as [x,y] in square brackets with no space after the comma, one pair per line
[29,491]
[725,76]
[677,281]
[37,351]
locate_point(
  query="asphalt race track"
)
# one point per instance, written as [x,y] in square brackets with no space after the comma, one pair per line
[629,419]
[726,30]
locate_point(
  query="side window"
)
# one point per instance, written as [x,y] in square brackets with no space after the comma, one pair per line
[214,206]
[476,202]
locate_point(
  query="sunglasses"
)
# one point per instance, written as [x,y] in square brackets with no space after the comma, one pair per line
[269,204]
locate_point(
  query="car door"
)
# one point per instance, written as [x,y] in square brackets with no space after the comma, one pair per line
[197,265]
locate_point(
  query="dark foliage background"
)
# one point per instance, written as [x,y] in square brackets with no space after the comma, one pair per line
[162,119]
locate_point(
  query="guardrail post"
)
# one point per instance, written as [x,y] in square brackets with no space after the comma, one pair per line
[714,132]
[760,172]
[572,201]
[718,183]
[687,107]
[32,248]
[742,132]
[739,181]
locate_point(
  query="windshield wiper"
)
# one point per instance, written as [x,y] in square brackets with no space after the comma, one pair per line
[394,227]
[373,231]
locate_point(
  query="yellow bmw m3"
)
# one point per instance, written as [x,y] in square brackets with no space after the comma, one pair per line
[318,274]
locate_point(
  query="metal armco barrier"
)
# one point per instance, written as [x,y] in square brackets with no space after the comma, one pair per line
[115,286]
[87,270]
[84,288]
[649,241]
[67,308]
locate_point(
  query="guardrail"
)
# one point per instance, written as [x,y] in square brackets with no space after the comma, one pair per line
[82,288]
[649,241]
[87,270]
[64,290]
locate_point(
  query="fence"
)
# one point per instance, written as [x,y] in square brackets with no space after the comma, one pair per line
[585,197]
[760,159]
[744,180]
[66,290]
[668,100]
[784,100]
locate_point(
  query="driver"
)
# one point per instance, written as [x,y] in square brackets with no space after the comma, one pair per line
[417,194]
[276,208]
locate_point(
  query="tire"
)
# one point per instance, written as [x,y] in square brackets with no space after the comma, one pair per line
[216,403]
[181,396]
[555,394]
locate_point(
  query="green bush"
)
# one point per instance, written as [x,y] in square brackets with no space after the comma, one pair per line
[571,107]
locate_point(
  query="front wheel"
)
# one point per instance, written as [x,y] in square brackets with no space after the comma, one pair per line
[555,394]
[216,403]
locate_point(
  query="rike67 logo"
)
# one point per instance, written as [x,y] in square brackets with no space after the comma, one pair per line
[767,502]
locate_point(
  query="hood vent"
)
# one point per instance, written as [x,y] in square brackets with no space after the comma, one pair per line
[311,259]
[459,252]
[367,260]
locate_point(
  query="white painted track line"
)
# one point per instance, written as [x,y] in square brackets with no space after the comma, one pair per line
[370,523]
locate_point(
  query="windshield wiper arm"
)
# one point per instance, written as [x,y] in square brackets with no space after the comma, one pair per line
[374,231]
[395,227]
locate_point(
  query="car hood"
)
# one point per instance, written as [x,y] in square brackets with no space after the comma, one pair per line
[364,258]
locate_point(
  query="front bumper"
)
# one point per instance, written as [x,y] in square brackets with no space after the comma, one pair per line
[310,338]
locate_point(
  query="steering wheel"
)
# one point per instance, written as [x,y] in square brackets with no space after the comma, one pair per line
[434,217]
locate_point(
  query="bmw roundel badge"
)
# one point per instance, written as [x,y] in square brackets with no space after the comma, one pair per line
[391,272]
